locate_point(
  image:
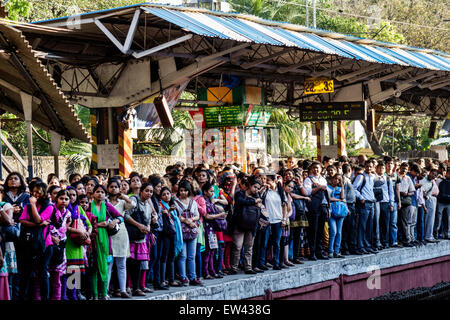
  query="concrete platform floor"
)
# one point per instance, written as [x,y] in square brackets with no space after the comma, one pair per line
[243,286]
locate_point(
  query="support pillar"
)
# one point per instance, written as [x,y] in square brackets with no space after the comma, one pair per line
[331,132]
[55,140]
[341,140]
[94,160]
[27,105]
[125,151]
[319,137]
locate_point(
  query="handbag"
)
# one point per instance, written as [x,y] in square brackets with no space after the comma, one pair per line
[114,230]
[406,201]
[58,253]
[218,224]
[212,240]
[188,232]
[75,236]
[168,225]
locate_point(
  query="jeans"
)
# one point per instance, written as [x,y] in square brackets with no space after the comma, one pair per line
[167,258]
[259,247]
[441,207]
[419,234]
[187,258]
[393,229]
[155,259]
[335,225]
[121,268]
[365,225]
[198,260]
[350,229]
[276,229]
[385,221]
[376,225]
[219,263]
[429,217]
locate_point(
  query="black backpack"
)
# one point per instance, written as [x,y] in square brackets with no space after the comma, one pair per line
[248,219]
[138,215]
[32,240]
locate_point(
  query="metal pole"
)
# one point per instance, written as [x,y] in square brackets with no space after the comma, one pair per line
[306,12]
[314,13]
[1,155]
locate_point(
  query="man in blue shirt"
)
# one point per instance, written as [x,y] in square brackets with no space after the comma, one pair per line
[350,227]
[363,185]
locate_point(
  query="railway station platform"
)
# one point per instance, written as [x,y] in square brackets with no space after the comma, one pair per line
[352,278]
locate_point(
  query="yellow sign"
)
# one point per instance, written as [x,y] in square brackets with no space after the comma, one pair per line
[313,86]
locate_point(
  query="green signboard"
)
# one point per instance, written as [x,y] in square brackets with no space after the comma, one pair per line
[224,116]
[333,111]
[258,116]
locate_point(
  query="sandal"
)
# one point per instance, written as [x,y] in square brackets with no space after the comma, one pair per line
[208,277]
[175,284]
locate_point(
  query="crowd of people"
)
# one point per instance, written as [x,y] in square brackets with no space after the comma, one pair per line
[93,237]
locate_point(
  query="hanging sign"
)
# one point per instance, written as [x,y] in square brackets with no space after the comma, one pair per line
[333,111]
[312,86]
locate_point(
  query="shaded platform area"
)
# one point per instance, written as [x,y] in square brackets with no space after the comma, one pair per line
[336,279]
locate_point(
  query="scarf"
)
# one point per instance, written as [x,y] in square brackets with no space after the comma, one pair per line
[84,218]
[179,233]
[102,241]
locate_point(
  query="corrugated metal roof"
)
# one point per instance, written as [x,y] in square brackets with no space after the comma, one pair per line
[247,28]
[238,27]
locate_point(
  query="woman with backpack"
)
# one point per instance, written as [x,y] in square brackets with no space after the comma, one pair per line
[14,193]
[247,210]
[189,225]
[107,217]
[138,223]
[34,247]
[171,237]
[119,242]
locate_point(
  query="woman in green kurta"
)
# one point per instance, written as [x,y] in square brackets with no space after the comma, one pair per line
[107,217]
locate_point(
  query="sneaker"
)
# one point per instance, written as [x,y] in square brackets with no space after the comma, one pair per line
[195,282]
[269,265]
[338,255]
[264,268]
[232,272]
[161,287]
[257,270]
[218,275]
[250,272]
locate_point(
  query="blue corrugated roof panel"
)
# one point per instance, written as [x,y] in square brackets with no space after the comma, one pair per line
[403,58]
[299,42]
[428,59]
[243,30]
[329,46]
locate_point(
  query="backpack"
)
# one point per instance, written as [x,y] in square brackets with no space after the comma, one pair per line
[188,232]
[218,224]
[138,215]
[249,217]
[378,191]
[32,240]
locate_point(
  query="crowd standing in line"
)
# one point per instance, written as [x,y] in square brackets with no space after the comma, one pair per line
[94,238]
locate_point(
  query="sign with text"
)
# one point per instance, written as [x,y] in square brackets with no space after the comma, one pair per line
[333,111]
[224,116]
[312,86]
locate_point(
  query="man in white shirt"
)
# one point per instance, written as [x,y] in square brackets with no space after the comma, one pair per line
[406,189]
[430,205]
[316,187]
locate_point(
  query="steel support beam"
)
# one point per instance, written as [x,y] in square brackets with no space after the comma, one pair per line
[163,46]
[249,65]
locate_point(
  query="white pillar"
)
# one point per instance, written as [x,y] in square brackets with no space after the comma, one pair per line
[27,105]
[55,140]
